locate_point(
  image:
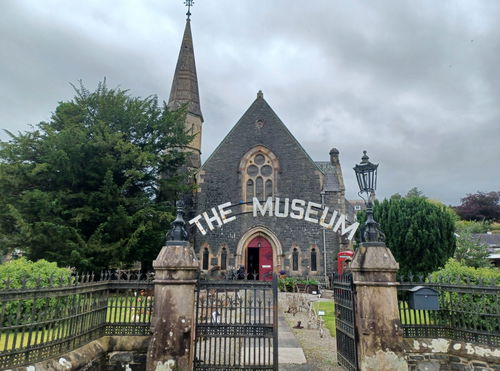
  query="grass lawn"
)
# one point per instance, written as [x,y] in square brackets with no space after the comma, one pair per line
[408,316]
[119,310]
[414,317]
[329,308]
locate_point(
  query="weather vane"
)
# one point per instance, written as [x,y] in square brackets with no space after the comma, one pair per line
[189,4]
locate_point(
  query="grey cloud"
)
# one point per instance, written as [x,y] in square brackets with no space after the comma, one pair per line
[417,84]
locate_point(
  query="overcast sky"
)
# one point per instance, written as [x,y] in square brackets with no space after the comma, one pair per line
[416,83]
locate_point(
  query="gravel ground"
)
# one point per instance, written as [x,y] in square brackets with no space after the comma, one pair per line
[320,352]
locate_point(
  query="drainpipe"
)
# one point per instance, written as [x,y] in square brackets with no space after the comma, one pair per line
[324,237]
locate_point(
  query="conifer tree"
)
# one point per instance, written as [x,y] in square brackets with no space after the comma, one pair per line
[88,188]
[419,233]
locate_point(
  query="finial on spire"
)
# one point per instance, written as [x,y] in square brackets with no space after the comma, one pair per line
[189,4]
[260,94]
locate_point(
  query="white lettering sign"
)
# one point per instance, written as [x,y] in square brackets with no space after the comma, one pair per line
[268,206]
[296,209]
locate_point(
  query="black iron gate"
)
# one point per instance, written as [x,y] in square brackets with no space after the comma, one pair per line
[343,292]
[236,325]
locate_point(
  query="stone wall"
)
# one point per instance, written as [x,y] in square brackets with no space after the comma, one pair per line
[449,355]
[104,354]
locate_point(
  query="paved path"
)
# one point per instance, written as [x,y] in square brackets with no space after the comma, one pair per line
[291,355]
[290,351]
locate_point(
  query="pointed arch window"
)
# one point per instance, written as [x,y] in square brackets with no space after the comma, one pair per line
[205,259]
[269,188]
[250,189]
[295,259]
[223,259]
[259,188]
[258,168]
[314,259]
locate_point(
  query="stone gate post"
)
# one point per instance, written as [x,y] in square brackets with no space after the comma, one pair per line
[376,306]
[172,326]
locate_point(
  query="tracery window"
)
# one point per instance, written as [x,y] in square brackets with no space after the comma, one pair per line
[223,259]
[258,167]
[205,259]
[295,259]
[314,259]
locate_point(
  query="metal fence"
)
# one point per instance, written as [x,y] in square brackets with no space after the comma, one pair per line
[39,323]
[467,312]
[345,325]
[236,325]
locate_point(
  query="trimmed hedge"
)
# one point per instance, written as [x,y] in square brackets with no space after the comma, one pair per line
[289,284]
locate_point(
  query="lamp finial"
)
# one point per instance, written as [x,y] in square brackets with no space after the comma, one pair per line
[178,231]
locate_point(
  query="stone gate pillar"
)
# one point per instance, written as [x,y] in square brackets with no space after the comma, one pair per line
[172,326]
[376,309]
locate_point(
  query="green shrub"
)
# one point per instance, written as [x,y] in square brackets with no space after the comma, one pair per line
[459,273]
[21,269]
[309,282]
[289,284]
[34,274]
[470,310]
[472,226]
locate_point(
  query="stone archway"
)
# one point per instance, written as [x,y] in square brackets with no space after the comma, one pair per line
[260,231]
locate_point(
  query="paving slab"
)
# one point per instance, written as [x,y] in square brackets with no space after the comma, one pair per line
[290,351]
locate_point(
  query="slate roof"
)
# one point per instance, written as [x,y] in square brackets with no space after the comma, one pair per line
[259,110]
[331,178]
[185,84]
[492,240]
[350,212]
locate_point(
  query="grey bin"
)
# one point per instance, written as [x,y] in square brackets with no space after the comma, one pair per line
[425,298]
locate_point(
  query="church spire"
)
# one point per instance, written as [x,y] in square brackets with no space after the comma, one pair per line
[185,83]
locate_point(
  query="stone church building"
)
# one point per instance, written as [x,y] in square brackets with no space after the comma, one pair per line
[259,158]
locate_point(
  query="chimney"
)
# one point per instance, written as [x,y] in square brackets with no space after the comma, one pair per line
[334,156]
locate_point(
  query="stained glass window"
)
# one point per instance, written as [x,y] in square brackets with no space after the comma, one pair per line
[252,170]
[249,190]
[259,159]
[259,177]
[266,170]
[269,188]
[259,188]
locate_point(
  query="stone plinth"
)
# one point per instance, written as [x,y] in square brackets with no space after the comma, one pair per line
[172,325]
[377,316]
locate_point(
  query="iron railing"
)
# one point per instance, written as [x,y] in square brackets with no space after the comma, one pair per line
[344,295]
[467,312]
[236,325]
[39,323]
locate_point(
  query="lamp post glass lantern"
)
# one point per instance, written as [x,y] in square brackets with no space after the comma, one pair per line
[366,175]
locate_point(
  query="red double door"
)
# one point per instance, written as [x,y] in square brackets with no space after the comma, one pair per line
[260,258]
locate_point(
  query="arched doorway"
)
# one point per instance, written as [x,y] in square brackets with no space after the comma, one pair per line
[260,258]
[248,240]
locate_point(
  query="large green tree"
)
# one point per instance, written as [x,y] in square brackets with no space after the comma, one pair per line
[91,187]
[480,206]
[420,233]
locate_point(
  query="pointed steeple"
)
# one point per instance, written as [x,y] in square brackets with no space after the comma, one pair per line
[185,84]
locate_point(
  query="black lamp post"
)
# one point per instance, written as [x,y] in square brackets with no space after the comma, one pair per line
[366,175]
